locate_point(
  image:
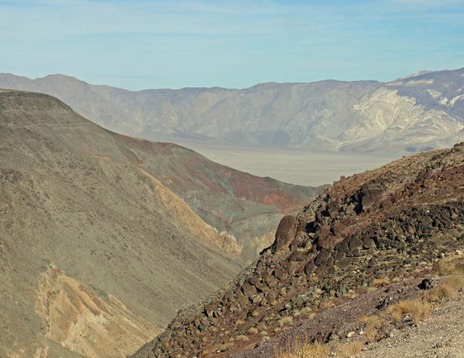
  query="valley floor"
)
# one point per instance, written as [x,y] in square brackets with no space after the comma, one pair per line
[294,166]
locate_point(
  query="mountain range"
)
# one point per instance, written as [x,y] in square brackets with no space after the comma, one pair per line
[415,113]
[103,237]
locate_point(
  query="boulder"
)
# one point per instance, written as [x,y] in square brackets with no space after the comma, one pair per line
[285,234]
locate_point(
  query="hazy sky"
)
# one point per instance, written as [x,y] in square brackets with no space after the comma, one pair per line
[156,44]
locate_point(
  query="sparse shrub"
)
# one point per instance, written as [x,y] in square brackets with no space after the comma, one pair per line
[396,315]
[286,321]
[449,288]
[445,267]
[417,310]
[224,347]
[459,267]
[455,282]
[350,349]
[315,350]
[450,266]
[307,312]
[379,282]
[373,323]
[252,330]
[242,338]
[352,294]
[326,304]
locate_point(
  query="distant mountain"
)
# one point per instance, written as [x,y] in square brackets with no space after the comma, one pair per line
[98,245]
[385,225]
[415,113]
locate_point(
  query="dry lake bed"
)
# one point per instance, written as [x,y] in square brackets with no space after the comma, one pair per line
[294,166]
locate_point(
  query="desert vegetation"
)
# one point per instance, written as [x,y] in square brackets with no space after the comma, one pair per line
[376,327]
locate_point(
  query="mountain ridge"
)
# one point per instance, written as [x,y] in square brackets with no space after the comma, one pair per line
[409,114]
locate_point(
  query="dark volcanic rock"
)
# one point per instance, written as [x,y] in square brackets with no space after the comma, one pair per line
[383,224]
[285,233]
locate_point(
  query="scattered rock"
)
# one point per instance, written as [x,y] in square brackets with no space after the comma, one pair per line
[426,284]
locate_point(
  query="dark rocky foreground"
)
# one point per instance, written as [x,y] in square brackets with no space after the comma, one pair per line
[378,225]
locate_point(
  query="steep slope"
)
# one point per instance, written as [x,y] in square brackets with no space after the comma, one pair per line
[379,225]
[88,237]
[141,218]
[242,207]
[414,113]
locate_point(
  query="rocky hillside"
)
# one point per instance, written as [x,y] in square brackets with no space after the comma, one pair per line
[420,112]
[97,249]
[379,226]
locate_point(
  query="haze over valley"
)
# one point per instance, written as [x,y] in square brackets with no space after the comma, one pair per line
[249,129]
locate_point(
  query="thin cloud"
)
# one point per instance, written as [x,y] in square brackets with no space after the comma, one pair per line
[431,3]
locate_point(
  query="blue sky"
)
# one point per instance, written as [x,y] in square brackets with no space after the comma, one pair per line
[143,44]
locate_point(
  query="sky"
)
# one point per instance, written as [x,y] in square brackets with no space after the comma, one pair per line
[142,44]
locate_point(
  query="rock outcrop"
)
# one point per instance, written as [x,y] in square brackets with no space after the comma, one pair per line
[285,233]
[382,224]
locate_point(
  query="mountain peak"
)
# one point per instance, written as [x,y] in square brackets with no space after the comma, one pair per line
[61,77]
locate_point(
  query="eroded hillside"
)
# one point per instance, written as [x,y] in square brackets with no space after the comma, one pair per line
[243,208]
[104,237]
[87,236]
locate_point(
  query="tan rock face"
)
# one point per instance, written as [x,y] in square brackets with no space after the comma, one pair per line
[423,111]
[80,320]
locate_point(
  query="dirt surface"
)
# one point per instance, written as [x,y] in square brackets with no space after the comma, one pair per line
[440,336]
[303,167]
